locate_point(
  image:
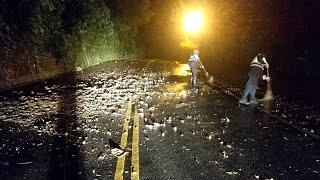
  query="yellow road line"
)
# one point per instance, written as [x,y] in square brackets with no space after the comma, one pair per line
[123,144]
[135,146]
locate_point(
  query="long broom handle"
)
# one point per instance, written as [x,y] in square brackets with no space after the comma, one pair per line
[202,66]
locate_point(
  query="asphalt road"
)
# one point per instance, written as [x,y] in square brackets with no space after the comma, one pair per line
[143,120]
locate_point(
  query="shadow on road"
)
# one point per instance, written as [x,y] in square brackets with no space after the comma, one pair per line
[65,159]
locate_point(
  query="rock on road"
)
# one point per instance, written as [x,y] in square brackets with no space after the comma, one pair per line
[73,127]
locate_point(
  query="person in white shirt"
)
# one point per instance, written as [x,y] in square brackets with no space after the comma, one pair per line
[194,62]
[257,66]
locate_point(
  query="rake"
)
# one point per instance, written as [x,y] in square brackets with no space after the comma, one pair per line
[268,95]
[209,77]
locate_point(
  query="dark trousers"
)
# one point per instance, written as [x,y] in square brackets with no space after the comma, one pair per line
[251,88]
[193,66]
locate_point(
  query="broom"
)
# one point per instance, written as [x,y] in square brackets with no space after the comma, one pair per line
[268,95]
[209,77]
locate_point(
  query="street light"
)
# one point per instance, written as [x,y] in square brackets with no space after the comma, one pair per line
[193,22]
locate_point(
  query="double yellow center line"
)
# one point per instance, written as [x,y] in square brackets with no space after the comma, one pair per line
[135,143]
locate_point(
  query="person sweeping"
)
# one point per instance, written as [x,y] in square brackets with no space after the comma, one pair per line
[257,67]
[194,62]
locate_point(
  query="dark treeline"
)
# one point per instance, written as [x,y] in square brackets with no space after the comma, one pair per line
[43,38]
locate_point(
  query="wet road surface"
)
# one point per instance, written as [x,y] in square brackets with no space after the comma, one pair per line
[70,128]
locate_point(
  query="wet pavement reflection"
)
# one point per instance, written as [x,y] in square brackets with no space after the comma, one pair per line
[68,127]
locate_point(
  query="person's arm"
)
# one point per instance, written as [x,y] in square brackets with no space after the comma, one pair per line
[266,77]
[198,59]
[266,64]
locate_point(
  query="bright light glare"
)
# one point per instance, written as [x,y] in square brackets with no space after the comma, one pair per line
[193,21]
[182,70]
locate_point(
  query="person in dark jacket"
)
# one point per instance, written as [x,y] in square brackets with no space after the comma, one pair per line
[194,62]
[257,67]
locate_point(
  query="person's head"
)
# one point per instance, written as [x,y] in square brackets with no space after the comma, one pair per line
[261,58]
[196,51]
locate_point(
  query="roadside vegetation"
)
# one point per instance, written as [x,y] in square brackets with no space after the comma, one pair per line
[44,38]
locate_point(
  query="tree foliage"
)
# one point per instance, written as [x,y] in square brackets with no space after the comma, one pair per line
[67,33]
[129,27]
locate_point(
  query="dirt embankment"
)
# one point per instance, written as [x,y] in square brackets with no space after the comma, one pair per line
[21,67]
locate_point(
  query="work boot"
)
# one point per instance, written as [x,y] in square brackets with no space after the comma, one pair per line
[253,101]
[244,101]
